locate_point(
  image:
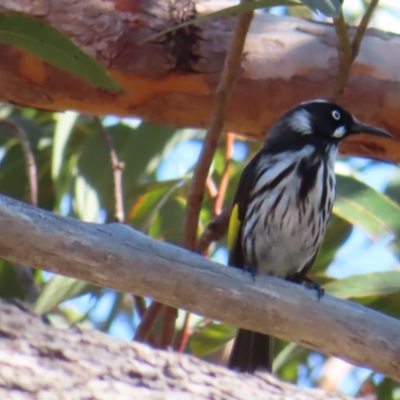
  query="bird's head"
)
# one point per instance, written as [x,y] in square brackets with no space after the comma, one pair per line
[321,121]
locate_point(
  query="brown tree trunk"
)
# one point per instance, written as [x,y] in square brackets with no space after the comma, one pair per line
[171,79]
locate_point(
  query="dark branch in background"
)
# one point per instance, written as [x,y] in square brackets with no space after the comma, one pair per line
[217,209]
[146,324]
[217,120]
[214,231]
[118,257]
[362,27]
[348,51]
[185,333]
[117,168]
[25,273]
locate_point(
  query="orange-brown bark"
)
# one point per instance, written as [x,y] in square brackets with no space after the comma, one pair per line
[172,79]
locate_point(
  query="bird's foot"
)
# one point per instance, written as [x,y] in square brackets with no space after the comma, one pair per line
[307,282]
[252,269]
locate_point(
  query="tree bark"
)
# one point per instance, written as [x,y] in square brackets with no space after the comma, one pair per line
[118,257]
[38,361]
[171,80]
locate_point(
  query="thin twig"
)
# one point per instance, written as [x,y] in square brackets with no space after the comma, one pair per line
[362,27]
[140,306]
[146,324]
[185,334]
[217,209]
[344,55]
[117,168]
[214,231]
[223,184]
[217,119]
[211,187]
[348,51]
[168,318]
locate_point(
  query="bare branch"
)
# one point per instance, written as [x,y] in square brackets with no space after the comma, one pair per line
[214,231]
[147,322]
[117,168]
[344,55]
[362,27]
[217,119]
[347,52]
[118,257]
[168,318]
[216,124]
[185,334]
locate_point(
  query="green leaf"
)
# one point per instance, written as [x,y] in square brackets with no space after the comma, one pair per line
[226,12]
[393,187]
[210,338]
[289,353]
[364,285]
[363,206]
[59,289]
[330,8]
[87,204]
[150,202]
[44,41]
[62,133]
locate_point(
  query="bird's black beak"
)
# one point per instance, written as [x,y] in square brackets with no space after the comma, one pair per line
[358,127]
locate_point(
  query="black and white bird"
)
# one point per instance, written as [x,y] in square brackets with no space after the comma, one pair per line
[282,206]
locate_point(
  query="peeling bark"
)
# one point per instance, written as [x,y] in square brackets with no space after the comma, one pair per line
[171,80]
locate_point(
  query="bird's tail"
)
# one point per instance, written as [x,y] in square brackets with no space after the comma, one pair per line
[251,351]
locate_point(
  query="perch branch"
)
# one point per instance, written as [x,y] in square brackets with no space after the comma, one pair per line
[118,257]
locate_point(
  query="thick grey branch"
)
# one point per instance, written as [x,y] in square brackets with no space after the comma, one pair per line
[118,257]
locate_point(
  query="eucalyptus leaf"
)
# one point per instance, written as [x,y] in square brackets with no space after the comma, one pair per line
[210,338]
[59,289]
[365,207]
[364,285]
[42,40]
[87,203]
[62,133]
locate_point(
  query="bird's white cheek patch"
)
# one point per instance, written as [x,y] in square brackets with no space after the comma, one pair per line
[339,132]
[300,121]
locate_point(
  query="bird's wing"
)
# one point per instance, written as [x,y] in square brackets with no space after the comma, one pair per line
[240,204]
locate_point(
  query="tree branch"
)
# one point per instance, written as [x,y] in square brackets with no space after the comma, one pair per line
[38,361]
[217,120]
[155,90]
[118,257]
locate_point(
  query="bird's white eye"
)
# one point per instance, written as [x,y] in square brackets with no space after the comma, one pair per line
[336,114]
